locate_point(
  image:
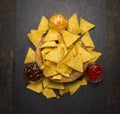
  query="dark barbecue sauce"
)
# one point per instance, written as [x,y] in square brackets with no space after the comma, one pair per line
[33,73]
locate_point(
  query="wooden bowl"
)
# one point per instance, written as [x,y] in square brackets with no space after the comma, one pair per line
[74,76]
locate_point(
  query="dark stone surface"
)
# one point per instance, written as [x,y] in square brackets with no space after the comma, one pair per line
[7,36]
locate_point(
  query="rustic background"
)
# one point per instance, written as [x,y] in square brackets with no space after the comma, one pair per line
[7,34]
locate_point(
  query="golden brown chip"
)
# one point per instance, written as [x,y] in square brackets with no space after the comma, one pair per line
[45,82]
[85,25]
[49,69]
[49,44]
[55,85]
[45,51]
[35,37]
[56,55]
[73,24]
[96,56]
[49,93]
[36,87]
[76,63]
[30,56]
[69,38]
[83,82]
[43,26]
[57,77]
[86,56]
[87,40]
[52,35]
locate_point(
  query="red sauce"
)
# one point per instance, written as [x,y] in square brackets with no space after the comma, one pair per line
[94,73]
[33,73]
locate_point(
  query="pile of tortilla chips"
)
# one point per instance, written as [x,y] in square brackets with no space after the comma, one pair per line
[62,53]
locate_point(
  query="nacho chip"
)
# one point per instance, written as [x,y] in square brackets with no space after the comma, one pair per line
[43,26]
[36,87]
[57,77]
[74,86]
[65,90]
[63,69]
[49,93]
[87,40]
[49,44]
[90,48]
[96,56]
[45,82]
[73,24]
[55,85]
[85,25]
[52,35]
[69,38]
[49,69]
[86,56]
[45,51]
[56,55]
[35,37]
[76,63]
[30,56]
[83,82]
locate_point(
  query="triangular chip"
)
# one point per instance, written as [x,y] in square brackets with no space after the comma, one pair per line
[73,24]
[76,63]
[36,87]
[45,51]
[49,69]
[49,93]
[85,25]
[90,48]
[69,38]
[43,26]
[30,56]
[74,86]
[35,37]
[56,55]
[49,44]
[83,82]
[63,69]
[86,56]
[87,40]
[57,77]
[45,82]
[96,56]
[65,90]
[55,85]
[52,35]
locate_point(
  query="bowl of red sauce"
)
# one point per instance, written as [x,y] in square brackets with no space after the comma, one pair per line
[94,73]
[32,73]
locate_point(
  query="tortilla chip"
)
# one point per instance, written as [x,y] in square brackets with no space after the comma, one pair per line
[83,82]
[65,90]
[56,55]
[69,38]
[96,56]
[87,40]
[55,85]
[43,26]
[57,77]
[35,37]
[86,56]
[30,56]
[49,69]
[85,25]
[52,35]
[90,48]
[63,69]
[45,82]
[77,46]
[73,24]
[74,86]
[76,63]
[49,93]
[49,44]
[36,87]
[45,51]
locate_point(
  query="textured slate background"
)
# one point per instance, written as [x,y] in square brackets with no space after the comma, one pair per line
[7,36]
